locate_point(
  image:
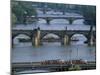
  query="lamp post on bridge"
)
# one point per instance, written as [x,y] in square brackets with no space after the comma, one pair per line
[70,20]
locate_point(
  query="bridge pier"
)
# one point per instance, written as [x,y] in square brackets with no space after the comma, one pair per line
[48,20]
[91,37]
[36,38]
[70,20]
[63,12]
[91,40]
[65,40]
[44,11]
[12,43]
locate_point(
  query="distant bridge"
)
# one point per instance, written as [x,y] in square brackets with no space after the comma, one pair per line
[60,16]
[48,18]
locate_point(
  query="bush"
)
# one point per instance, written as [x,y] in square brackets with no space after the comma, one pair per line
[74,68]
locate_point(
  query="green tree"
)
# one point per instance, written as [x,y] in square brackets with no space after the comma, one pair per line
[74,68]
[89,12]
[14,19]
[22,9]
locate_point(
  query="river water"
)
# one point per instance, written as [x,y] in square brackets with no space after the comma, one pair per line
[25,52]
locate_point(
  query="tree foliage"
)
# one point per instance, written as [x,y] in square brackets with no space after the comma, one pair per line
[22,9]
[13,18]
[89,12]
[74,68]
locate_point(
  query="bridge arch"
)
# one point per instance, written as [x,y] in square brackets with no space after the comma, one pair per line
[78,21]
[21,36]
[65,21]
[40,20]
[79,34]
[15,35]
[79,37]
[52,35]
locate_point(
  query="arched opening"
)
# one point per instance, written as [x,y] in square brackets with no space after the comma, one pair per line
[78,21]
[21,40]
[78,39]
[59,21]
[41,21]
[39,11]
[51,39]
[53,12]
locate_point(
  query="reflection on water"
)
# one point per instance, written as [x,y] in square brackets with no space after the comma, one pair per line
[24,52]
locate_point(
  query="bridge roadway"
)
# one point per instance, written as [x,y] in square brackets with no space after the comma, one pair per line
[45,16]
[56,26]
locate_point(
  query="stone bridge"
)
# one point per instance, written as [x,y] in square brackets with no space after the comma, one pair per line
[48,18]
[37,35]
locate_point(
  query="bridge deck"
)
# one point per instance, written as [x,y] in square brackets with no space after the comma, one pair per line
[59,16]
[52,27]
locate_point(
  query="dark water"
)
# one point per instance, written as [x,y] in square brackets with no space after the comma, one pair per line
[51,51]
